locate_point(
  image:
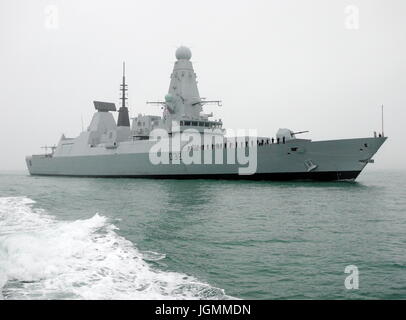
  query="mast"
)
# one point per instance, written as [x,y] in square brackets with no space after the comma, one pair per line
[123,117]
[123,88]
[383,134]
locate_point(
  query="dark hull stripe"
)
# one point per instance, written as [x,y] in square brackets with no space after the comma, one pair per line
[280,176]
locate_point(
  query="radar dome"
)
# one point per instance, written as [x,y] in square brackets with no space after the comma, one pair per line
[183,53]
[168,98]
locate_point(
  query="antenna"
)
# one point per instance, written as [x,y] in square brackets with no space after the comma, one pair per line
[81,118]
[123,89]
[382,120]
[123,116]
[203,101]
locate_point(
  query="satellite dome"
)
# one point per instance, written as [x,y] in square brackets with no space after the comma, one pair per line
[183,53]
[168,98]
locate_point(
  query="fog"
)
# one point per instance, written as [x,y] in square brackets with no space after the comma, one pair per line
[323,66]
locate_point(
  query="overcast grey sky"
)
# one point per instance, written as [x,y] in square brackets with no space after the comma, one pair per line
[304,65]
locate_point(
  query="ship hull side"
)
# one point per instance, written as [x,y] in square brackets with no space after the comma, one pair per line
[334,160]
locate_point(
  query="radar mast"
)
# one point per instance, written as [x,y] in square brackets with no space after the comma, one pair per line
[123,117]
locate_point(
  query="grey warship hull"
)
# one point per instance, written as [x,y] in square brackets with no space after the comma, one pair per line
[332,160]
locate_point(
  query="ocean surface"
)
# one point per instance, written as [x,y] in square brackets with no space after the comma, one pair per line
[84,238]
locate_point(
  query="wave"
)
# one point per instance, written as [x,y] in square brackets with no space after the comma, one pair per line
[43,258]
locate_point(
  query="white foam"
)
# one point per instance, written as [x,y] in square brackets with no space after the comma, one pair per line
[41,257]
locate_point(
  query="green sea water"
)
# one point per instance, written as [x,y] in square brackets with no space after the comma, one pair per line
[84,238]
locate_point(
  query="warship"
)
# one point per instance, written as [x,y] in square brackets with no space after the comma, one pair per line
[186,143]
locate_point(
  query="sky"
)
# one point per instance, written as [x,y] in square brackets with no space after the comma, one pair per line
[322,66]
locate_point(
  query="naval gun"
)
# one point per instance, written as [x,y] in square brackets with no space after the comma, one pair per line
[284,134]
[300,132]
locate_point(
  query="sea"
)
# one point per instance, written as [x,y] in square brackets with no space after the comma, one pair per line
[97,238]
